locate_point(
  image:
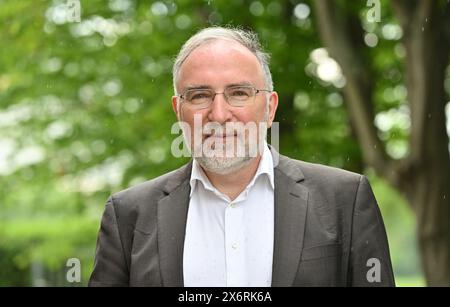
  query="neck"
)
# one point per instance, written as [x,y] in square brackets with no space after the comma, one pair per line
[233,184]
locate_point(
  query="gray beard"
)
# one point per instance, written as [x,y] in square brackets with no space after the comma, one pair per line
[223,166]
[228,165]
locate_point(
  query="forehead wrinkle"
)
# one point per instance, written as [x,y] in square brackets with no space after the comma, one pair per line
[220,55]
[219,47]
[209,87]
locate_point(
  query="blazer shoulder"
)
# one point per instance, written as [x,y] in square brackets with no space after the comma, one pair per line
[150,191]
[322,175]
[331,189]
[328,173]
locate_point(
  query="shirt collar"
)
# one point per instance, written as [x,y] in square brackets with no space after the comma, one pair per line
[265,167]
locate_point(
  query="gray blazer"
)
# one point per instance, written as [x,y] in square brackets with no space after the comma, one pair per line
[327,227]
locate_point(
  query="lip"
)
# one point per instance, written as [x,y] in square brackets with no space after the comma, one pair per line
[223,136]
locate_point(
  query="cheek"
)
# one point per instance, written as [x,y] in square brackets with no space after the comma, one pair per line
[189,117]
[253,113]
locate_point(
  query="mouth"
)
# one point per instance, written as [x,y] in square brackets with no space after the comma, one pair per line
[220,136]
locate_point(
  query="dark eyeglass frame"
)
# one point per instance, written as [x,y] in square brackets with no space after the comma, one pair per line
[241,103]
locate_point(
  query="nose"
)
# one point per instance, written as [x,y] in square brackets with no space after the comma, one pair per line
[219,110]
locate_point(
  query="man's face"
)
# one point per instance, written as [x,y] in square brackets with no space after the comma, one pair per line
[218,65]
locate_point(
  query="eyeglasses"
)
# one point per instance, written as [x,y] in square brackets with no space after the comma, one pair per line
[236,96]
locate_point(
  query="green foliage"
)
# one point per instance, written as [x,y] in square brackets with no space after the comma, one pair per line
[401,228]
[85,111]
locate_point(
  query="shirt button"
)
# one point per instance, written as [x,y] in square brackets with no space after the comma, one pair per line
[232,205]
[234,245]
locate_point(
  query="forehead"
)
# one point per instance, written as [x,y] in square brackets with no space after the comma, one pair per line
[220,63]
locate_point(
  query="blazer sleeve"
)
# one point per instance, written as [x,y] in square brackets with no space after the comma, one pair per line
[370,263]
[110,266]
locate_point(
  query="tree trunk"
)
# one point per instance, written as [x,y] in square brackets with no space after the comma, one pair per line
[428,190]
[424,175]
[431,202]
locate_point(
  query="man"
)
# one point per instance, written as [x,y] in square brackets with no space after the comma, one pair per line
[229,219]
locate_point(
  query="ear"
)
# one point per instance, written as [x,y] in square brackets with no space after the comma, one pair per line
[175,106]
[273,104]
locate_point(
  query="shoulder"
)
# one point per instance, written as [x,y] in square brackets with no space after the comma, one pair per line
[317,173]
[324,174]
[323,181]
[149,192]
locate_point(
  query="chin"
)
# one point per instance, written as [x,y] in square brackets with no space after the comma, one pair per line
[223,166]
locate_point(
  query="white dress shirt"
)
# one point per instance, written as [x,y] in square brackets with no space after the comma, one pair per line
[230,243]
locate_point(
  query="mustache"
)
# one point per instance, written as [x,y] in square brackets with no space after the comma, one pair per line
[217,130]
[220,134]
[240,131]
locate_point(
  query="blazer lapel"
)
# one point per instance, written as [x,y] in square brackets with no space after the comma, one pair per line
[172,216]
[291,201]
[290,218]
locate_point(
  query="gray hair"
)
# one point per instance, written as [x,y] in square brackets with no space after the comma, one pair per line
[246,38]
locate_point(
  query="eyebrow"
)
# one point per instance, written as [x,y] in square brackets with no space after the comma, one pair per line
[208,87]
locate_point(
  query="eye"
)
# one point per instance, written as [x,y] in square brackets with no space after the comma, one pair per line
[240,92]
[198,95]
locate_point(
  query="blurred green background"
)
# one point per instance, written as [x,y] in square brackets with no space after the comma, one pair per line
[85,112]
